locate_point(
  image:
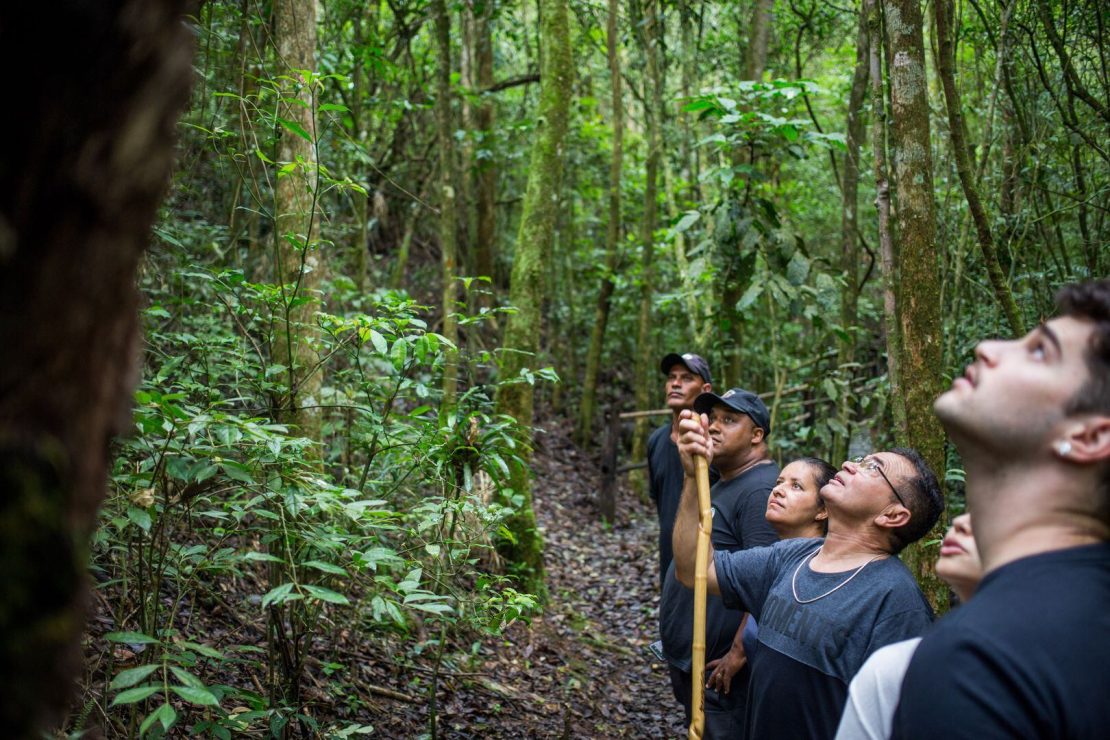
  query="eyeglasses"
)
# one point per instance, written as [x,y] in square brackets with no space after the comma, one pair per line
[871,465]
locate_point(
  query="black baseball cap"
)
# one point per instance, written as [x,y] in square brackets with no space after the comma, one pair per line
[740,400]
[694,363]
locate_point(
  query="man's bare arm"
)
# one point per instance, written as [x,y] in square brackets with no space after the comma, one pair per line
[693,440]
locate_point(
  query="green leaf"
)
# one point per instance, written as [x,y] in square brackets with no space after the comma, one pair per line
[187,678]
[294,127]
[132,676]
[830,388]
[333,106]
[204,650]
[750,295]
[133,695]
[687,221]
[194,695]
[326,567]
[164,714]
[140,517]
[237,471]
[399,353]
[262,557]
[131,638]
[380,345]
[326,594]
[279,595]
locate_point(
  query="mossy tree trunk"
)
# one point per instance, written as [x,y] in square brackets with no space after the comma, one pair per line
[534,240]
[78,196]
[588,403]
[298,261]
[653,111]
[918,262]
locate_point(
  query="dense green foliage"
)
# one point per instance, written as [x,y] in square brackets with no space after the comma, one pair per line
[385,517]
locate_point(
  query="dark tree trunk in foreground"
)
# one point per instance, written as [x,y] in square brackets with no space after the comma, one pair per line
[90,155]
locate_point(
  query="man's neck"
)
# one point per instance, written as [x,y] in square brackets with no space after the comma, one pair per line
[730,469]
[1029,508]
[849,548]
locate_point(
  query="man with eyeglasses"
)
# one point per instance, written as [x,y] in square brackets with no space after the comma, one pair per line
[823,606]
[1028,657]
[738,427]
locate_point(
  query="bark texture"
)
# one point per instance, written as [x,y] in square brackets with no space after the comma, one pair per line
[298,259]
[918,263]
[534,242]
[78,195]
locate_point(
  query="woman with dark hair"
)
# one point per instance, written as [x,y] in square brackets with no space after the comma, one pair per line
[795,508]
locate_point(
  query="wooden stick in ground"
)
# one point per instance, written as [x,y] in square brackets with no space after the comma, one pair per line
[701,570]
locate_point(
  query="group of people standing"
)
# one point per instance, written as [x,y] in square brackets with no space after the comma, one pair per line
[815,629]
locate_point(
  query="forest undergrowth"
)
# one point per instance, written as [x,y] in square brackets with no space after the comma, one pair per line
[578,670]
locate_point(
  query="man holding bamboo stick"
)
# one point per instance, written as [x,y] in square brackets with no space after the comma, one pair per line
[739,424]
[822,606]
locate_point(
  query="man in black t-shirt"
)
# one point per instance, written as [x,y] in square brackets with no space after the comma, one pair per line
[1028,657]
[822,606]
[687,377]
[738,427]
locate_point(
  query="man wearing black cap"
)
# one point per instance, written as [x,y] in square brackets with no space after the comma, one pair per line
[738,427]
[687,377]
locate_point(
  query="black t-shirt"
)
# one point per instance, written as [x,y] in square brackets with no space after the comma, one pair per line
[808,652]
[738,523]
[1027,657]
[665,476]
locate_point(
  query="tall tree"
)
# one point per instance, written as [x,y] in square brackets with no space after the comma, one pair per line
[588,402]
[448,220]
[918,263]
[652,38]
[849,227]
[534,240]
[759,36]
[957,135]
[77,200]
[298,261]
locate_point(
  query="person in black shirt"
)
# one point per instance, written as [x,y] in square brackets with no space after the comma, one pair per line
[738,427]
[687,377]
[1028,657]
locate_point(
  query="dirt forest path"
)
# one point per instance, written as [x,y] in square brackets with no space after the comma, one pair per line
[580,670]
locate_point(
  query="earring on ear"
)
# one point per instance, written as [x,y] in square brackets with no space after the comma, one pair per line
[1063,447]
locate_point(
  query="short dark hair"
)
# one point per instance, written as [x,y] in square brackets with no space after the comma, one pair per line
[922,497]
[1091,301]
[823,472]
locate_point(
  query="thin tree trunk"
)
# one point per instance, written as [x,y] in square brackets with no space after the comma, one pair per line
[299,263]
[515,396]
[653,112]
[485,247]
[957,132]
[78,196]
[448,221]
[849,232]
[755,60]
[587,405]
[919,268]
[882,202]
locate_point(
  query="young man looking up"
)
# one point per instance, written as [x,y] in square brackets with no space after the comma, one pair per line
[687,378]
[1028,657]
[823,606]
[739,424]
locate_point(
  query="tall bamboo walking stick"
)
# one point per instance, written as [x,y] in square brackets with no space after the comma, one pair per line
[701,570]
